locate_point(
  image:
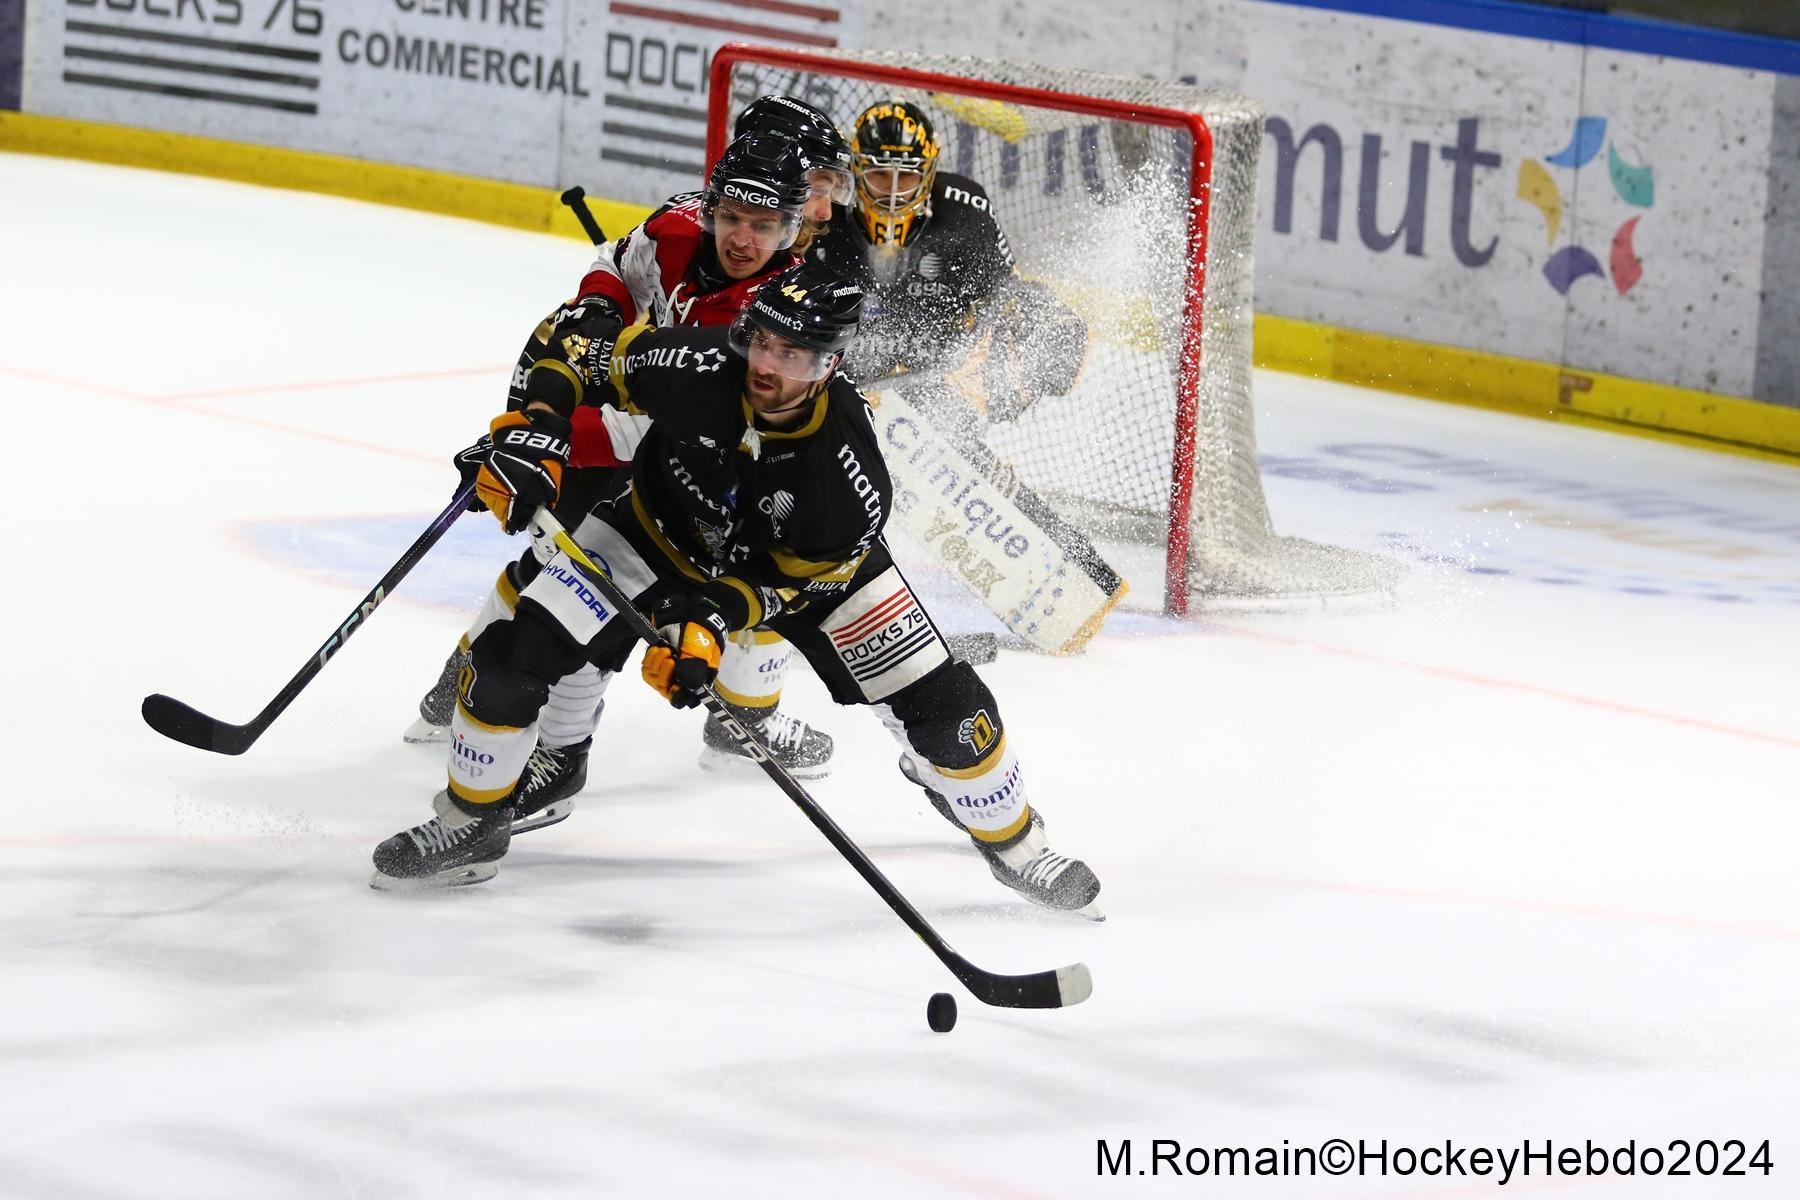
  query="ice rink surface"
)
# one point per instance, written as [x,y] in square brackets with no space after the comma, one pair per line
[1516,859]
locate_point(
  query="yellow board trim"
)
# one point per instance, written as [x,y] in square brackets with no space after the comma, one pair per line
[497,202]
[1529,388]
[1474,377]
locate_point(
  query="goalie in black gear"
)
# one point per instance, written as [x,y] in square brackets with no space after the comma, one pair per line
[946,299]
[758,497]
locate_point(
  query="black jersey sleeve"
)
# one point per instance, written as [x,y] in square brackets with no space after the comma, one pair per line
[980,256]
[565,360]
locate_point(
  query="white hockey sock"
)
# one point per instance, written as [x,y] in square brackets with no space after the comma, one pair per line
[486,760]
[753,668]
[572,713]
[988,798]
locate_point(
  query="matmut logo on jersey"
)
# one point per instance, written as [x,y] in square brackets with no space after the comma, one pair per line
[683,357]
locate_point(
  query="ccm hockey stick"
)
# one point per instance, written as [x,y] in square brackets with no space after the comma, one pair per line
[184,723]
[1042,989]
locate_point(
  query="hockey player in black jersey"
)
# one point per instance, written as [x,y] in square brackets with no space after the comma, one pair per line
[758,497]
[687,264]
[822,148]
[946,299]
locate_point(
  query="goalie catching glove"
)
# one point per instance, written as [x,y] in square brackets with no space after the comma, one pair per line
[518,466]
[695,632]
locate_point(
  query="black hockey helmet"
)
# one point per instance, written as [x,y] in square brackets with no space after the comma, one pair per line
[812,308]
[894,154]
[821,145]
[760,171]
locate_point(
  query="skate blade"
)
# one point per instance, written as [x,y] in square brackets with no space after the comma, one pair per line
[422,732]
[1090,913]
[721,760]
[544,817]
[462,877]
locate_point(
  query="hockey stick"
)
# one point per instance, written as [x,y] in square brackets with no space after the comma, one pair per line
[184,723]
[1043,989]
[576,199]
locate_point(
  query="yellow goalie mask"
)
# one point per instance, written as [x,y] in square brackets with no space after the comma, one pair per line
[894,156]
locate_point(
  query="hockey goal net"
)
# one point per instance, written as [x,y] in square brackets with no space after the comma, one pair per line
[1134,201]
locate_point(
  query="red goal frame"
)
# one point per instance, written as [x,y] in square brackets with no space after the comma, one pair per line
[1187,378]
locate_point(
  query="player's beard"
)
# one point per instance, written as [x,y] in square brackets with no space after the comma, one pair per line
[776,397]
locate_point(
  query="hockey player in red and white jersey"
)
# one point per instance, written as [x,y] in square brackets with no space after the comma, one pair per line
[696,261]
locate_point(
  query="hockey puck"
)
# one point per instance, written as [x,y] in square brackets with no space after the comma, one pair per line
[940,1012]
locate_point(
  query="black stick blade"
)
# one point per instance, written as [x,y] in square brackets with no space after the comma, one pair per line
[191,727]
[1060,988]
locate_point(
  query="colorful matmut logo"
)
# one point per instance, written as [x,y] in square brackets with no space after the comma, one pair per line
[1635,185]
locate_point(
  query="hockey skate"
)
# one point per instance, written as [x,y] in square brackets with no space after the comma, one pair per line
[545,793]
[453,849]
[1028,866]
[804,752]
[438,704]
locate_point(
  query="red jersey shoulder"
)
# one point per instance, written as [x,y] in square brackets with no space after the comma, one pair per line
[687,307]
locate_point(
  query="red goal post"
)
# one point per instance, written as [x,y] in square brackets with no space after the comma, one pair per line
[1134,201]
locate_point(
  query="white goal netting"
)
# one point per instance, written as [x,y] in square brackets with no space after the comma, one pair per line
[1134,201]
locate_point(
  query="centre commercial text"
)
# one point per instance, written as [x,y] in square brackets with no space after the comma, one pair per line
[462,60]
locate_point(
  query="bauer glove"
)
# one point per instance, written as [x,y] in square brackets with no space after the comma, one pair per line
[524,465]
[695,631]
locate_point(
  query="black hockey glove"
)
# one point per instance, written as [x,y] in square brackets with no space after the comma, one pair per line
[469,461]
[695,630]
[524,465]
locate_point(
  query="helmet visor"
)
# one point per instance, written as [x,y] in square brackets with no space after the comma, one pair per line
[767,351]
[833,182]
[768,229]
